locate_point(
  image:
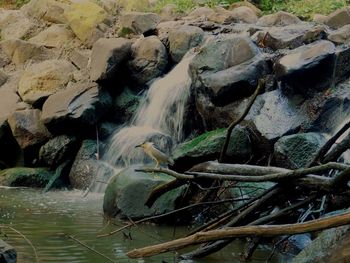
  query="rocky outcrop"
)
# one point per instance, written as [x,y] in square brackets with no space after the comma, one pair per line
[340,36]
[138,23]
[278,19]
[23,176]
[48,10]
[54,36]
[15,25]
[338,18]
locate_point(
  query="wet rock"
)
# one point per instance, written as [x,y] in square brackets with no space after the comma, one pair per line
[290,37]
[24,176]
[44,79]
[107,56]
[340,36]
[183,38]
[208,146]
[27,128]
[307,69]
[245,14]
[20,51]
[48,10]
[3,78]
[15,25]
[54,36]
[85,166]
[297,150]
[256,10]
[128,191]
[7,253]
[106,129]
[86,19]
[57,150]
[138,22]
[227,69]
[279,18]
[338,18]
[80,58]
[76,109]
[125,105]
[149,59]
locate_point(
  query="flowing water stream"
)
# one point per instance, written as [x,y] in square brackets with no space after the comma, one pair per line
[47,219]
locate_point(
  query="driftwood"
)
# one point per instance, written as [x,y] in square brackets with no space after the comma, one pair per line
[232,232]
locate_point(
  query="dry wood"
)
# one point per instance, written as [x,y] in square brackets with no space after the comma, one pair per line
[338,150]
[231,232]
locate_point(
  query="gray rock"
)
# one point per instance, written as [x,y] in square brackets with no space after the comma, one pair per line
[208,146]
[107,56]
[80,58]
[297,150]
[338,18]
[182,39]
[169,13]
[15,25]
[27,128]
[76,109]
[319,18]
[245,14]
[279,18]
[149,59]
[7,253]
[57,150]
[3,78]
[50,11]
[125,105]
[138,22]
[128,191]
[307,69]
[227,69]
[340,36]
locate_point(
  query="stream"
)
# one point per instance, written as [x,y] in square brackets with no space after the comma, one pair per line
[47,219]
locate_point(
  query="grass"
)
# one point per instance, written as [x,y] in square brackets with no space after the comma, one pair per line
[12,4]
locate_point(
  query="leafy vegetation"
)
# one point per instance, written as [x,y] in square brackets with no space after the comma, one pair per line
[12,3]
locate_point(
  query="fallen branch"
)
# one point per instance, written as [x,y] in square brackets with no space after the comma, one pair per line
[338,150]
[231,232]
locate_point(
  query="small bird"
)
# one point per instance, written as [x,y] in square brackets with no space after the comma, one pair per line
[155,154]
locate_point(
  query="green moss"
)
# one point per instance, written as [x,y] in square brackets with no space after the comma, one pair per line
[23,176]
[125,32]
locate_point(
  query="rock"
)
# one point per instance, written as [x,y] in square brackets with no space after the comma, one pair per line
[76,109]
[48,10]
[9,99]
[128,191]
[44,79]
[297,150]
[56,36]
[86,20]
[24,176]
[340,36]
[169,13]
[110,6]
[3,78]
[208,146]
[319,18]
[256,10]
[338,18]
[138,5]
[10,152]
[322,246]
[80,58]
[27,128]
[15,25]
[245,14]
[106,129]
[227,69]
[183,38]
[164,28]
[125,106]
[7,253]
[20,51]
[57,150]
[279,18]
[149,59]
[85,166]
[222,16]
[289,37]
[138,22]
[202,13]
[307,69]
[107,56]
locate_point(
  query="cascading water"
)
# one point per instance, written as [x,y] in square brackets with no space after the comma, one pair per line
[159,118]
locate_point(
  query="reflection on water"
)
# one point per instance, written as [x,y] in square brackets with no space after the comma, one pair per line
[46,219]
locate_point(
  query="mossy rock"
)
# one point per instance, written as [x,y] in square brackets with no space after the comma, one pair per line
[23,176]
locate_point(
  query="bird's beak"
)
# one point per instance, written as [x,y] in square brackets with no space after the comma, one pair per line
[137,146]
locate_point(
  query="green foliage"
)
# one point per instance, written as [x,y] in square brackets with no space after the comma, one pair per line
[13,3]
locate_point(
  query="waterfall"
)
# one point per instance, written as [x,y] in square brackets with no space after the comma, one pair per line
[159,118]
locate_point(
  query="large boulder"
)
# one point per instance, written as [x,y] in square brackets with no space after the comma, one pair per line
[76,109]
[149,59]
[208,146]
[48,10]
[27,128]
[54,36]
[279,18]
[183,38]
[19,51]
[245,14]
[57,150]
[297,150]
[7,253]
[307,69]
[256,10]
[338,18]
[15,25]
[9,99]
[107,57]
[44,79]
[80,58]
[138,22]
[127,192]
[227,69]
[340,36]
[86,19]
[24,176]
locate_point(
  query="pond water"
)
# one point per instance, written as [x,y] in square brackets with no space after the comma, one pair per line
[47,220]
